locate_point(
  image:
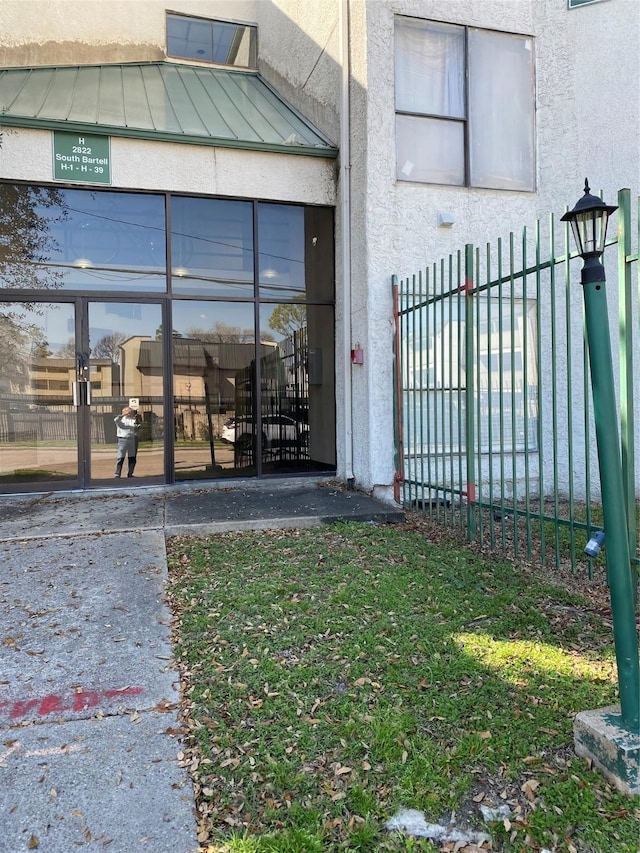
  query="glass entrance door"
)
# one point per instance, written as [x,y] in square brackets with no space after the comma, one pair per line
[38,418]
[122,405]
[67,371]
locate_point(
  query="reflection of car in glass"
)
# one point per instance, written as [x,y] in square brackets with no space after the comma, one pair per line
[27,407]
[277,431]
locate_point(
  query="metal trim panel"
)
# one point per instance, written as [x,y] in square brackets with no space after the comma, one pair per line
[161,101]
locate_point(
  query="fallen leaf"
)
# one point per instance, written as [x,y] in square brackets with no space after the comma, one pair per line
[528,788]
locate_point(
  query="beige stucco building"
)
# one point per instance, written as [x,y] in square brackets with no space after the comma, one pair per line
[358,139]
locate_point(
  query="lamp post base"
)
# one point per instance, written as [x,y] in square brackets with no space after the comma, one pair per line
[602,737]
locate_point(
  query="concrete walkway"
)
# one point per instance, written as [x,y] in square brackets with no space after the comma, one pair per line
[89,736]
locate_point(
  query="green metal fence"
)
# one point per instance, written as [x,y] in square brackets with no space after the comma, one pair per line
[494,427]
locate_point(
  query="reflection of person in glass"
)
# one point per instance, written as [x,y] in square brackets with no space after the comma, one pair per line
[127,426]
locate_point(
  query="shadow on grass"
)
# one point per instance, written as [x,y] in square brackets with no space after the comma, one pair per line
[332,676]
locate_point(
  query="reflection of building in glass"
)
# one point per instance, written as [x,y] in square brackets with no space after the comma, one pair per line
[52,378]
[213,381]
[77,361]
[49,381]
[295,360]
[506,398]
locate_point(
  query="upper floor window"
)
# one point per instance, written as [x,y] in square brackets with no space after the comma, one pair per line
[465,106]
[221,42]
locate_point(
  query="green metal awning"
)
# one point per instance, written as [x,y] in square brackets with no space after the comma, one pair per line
[160,101]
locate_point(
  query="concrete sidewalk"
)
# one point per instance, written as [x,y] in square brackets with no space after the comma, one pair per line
[89,736]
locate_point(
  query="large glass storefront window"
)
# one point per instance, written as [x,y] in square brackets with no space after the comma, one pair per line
[281,254]
[60,239]
[213,355]
[250,354]
[212,247]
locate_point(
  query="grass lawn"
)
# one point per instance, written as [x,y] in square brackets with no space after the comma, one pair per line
[331,676]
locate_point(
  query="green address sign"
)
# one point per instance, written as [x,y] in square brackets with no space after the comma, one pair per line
[81,157]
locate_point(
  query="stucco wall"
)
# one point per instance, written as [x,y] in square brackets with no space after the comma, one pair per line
[299,55]
[27,155]
[587,123]
[71,32]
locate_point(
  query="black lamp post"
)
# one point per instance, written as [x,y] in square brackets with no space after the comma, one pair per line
[589,220]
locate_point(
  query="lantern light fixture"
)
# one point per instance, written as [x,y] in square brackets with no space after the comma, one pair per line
[589,220]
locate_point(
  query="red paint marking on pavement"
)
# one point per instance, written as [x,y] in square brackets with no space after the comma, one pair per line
[49,705]
[21,709]
[86,699]
[123,691]
[58,704]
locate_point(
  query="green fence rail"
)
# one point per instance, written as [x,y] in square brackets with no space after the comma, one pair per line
[493,416]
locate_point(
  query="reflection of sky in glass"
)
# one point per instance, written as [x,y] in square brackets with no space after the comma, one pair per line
[57,322]
[210,41]
[205,316]
[129,319]
[103,240]
[108,229]
[281,250]
[212,247]
[96,240]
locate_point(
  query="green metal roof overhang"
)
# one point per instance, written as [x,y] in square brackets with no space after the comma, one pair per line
[159,101]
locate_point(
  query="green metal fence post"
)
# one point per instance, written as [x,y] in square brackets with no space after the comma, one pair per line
[627,427]
[613,503]
[469,397]
[397,392]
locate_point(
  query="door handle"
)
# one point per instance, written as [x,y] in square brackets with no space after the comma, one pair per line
[81,393]
[82,386]
[82,366]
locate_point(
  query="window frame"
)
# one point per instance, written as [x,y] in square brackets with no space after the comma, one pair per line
[251,27]
[576,4]
[465,121]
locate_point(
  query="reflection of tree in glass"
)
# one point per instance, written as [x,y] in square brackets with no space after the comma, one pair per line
[159,333]
[220,333]
[25,237]
[41,349]
[20,341]
[288,318]
[108,346]
[68,350]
